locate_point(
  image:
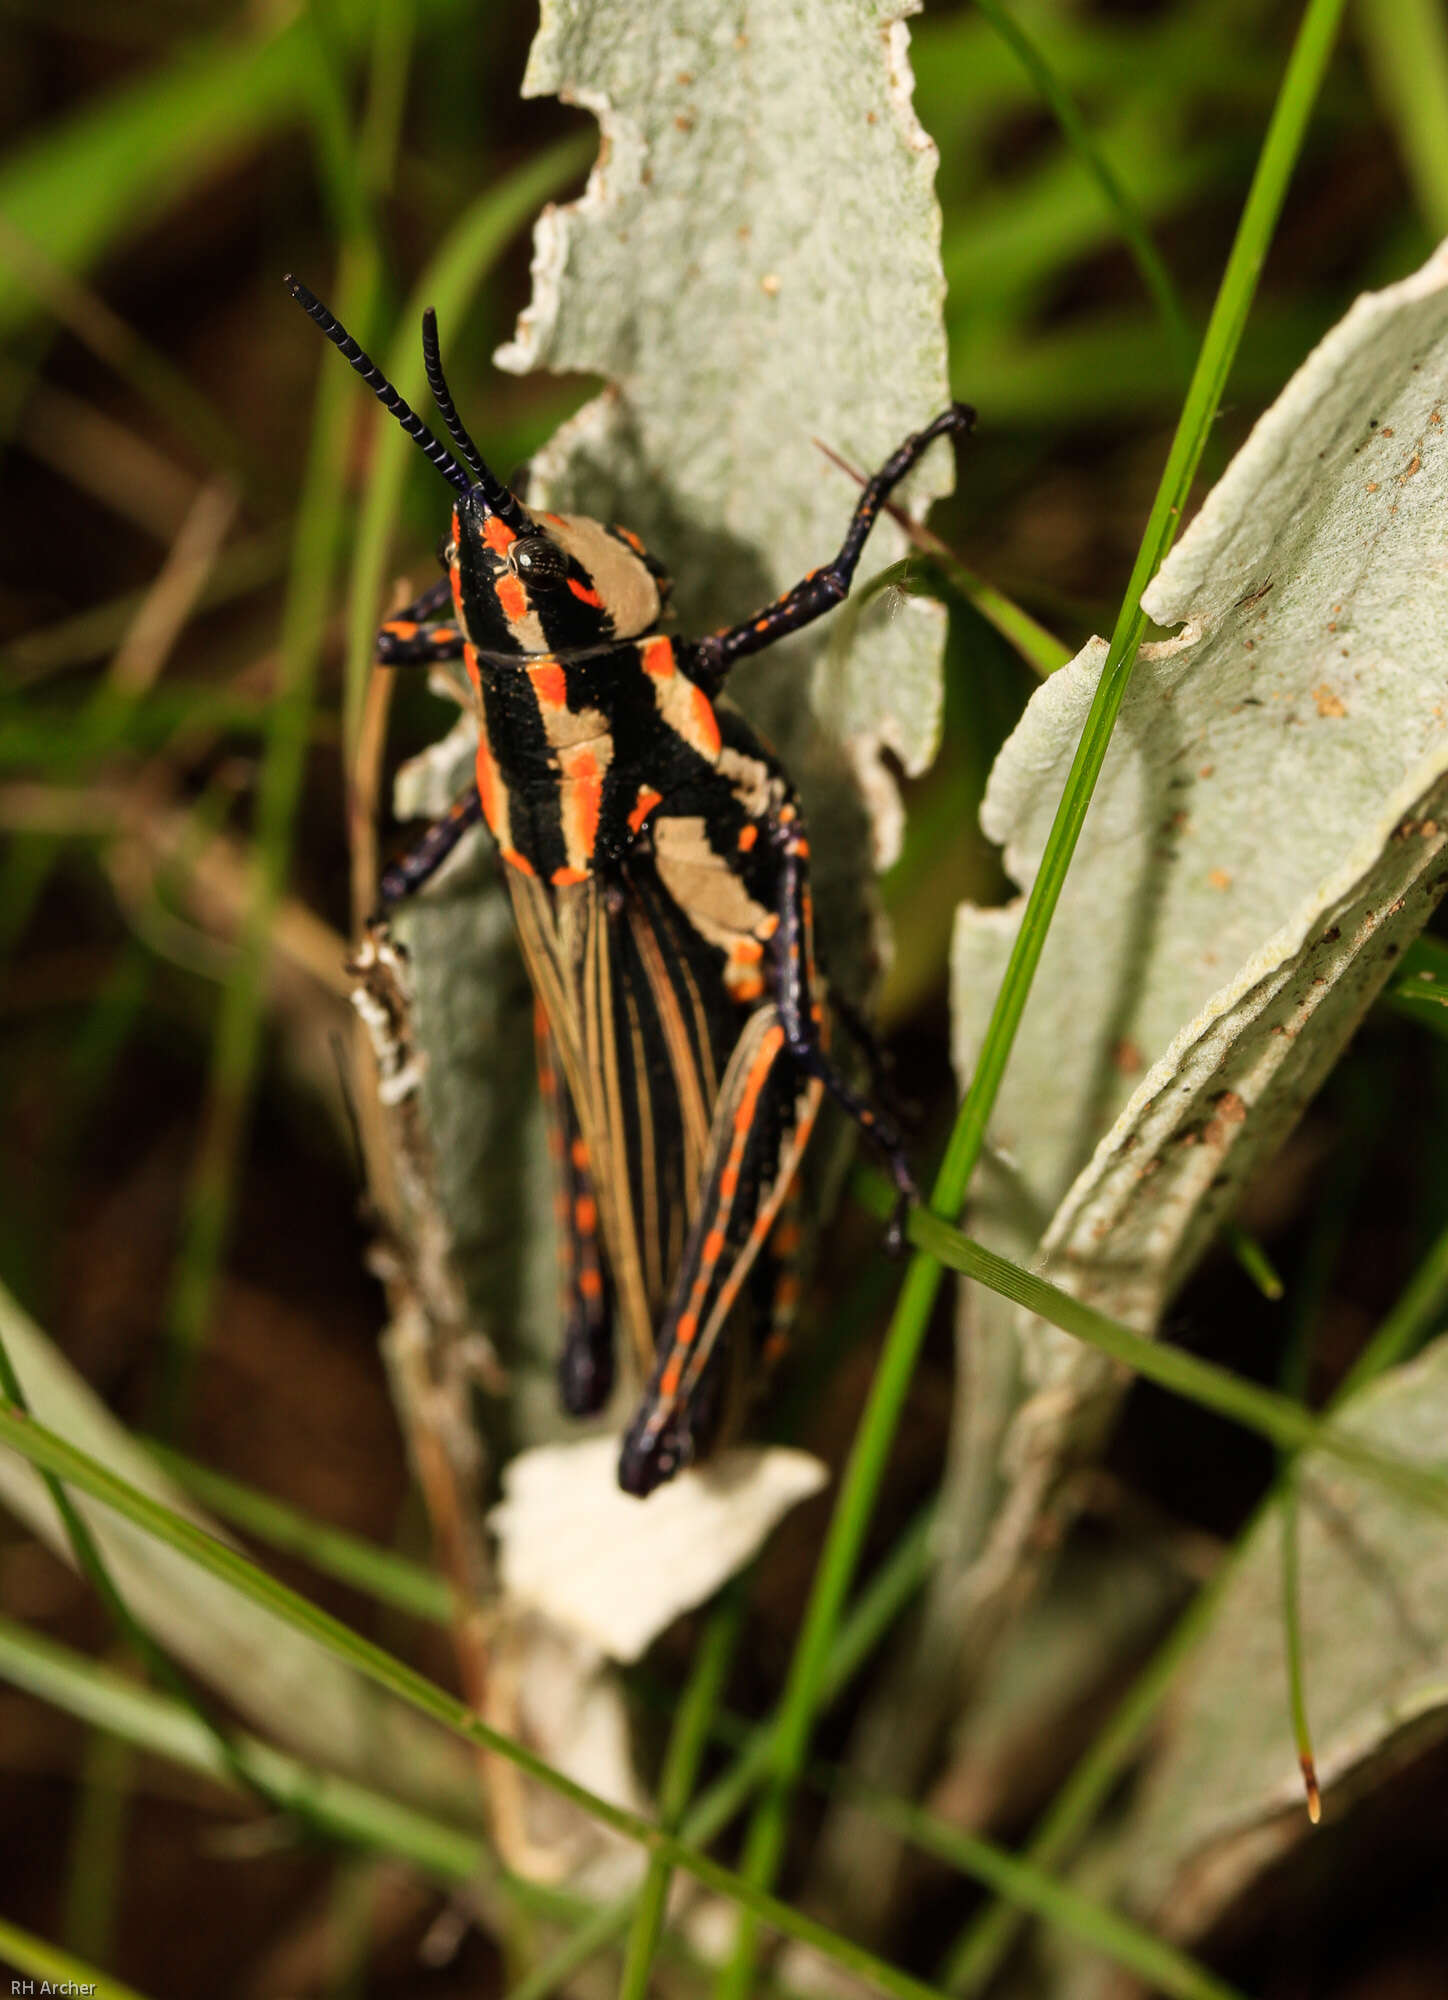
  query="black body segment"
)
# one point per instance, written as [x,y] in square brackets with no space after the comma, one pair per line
[658,868]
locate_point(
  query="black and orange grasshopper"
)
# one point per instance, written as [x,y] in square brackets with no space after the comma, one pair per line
[658,868]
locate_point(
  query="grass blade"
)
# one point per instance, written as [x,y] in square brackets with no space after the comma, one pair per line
[1154,274]
[681,1767]
[332,1806]
[1407,50]
[381,1573]
[1272,1415]
[59,1972]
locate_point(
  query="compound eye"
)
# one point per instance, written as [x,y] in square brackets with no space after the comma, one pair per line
[537,560]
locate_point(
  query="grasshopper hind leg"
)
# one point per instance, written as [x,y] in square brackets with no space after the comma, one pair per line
[761,1126]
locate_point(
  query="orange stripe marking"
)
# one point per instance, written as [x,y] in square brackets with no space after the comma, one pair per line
[401,628]
[713,1243]
[648,798]
[590,1284]
[490,785]
[706,722]
[550,684]
[497,534]
[584,595]
[659,658]
[747,837]
[585,1214]
[455,575]
[567,878]
[578,1153]
[519,861]
[582,798]
[513,598]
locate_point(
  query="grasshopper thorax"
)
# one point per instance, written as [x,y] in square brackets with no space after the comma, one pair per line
[557,583]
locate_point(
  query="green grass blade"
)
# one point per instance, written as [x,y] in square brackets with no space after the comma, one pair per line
[1130,221]
[1273,1416]
[1032,1891]
[96,1849]
[332,1806]
[381,1573]
[92,1566]
[1419,987]
[764,1846]
[47,1963]
[1407,50]
[1253,1260]
[1041,650]
[687,1740]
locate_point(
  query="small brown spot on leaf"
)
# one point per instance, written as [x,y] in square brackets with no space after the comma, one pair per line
[1414,464]
[1328,703]
[1229,1110]
[1206,770]
[1220,878]
[769,285]
[1127,1057]
[1372,486]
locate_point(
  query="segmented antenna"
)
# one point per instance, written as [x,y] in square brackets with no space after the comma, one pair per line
[378,383]
[502,502]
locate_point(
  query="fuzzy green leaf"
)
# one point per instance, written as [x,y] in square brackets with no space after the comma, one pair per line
[1265,839]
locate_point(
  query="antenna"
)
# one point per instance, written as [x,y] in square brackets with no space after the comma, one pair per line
[501,501]
[378,383]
